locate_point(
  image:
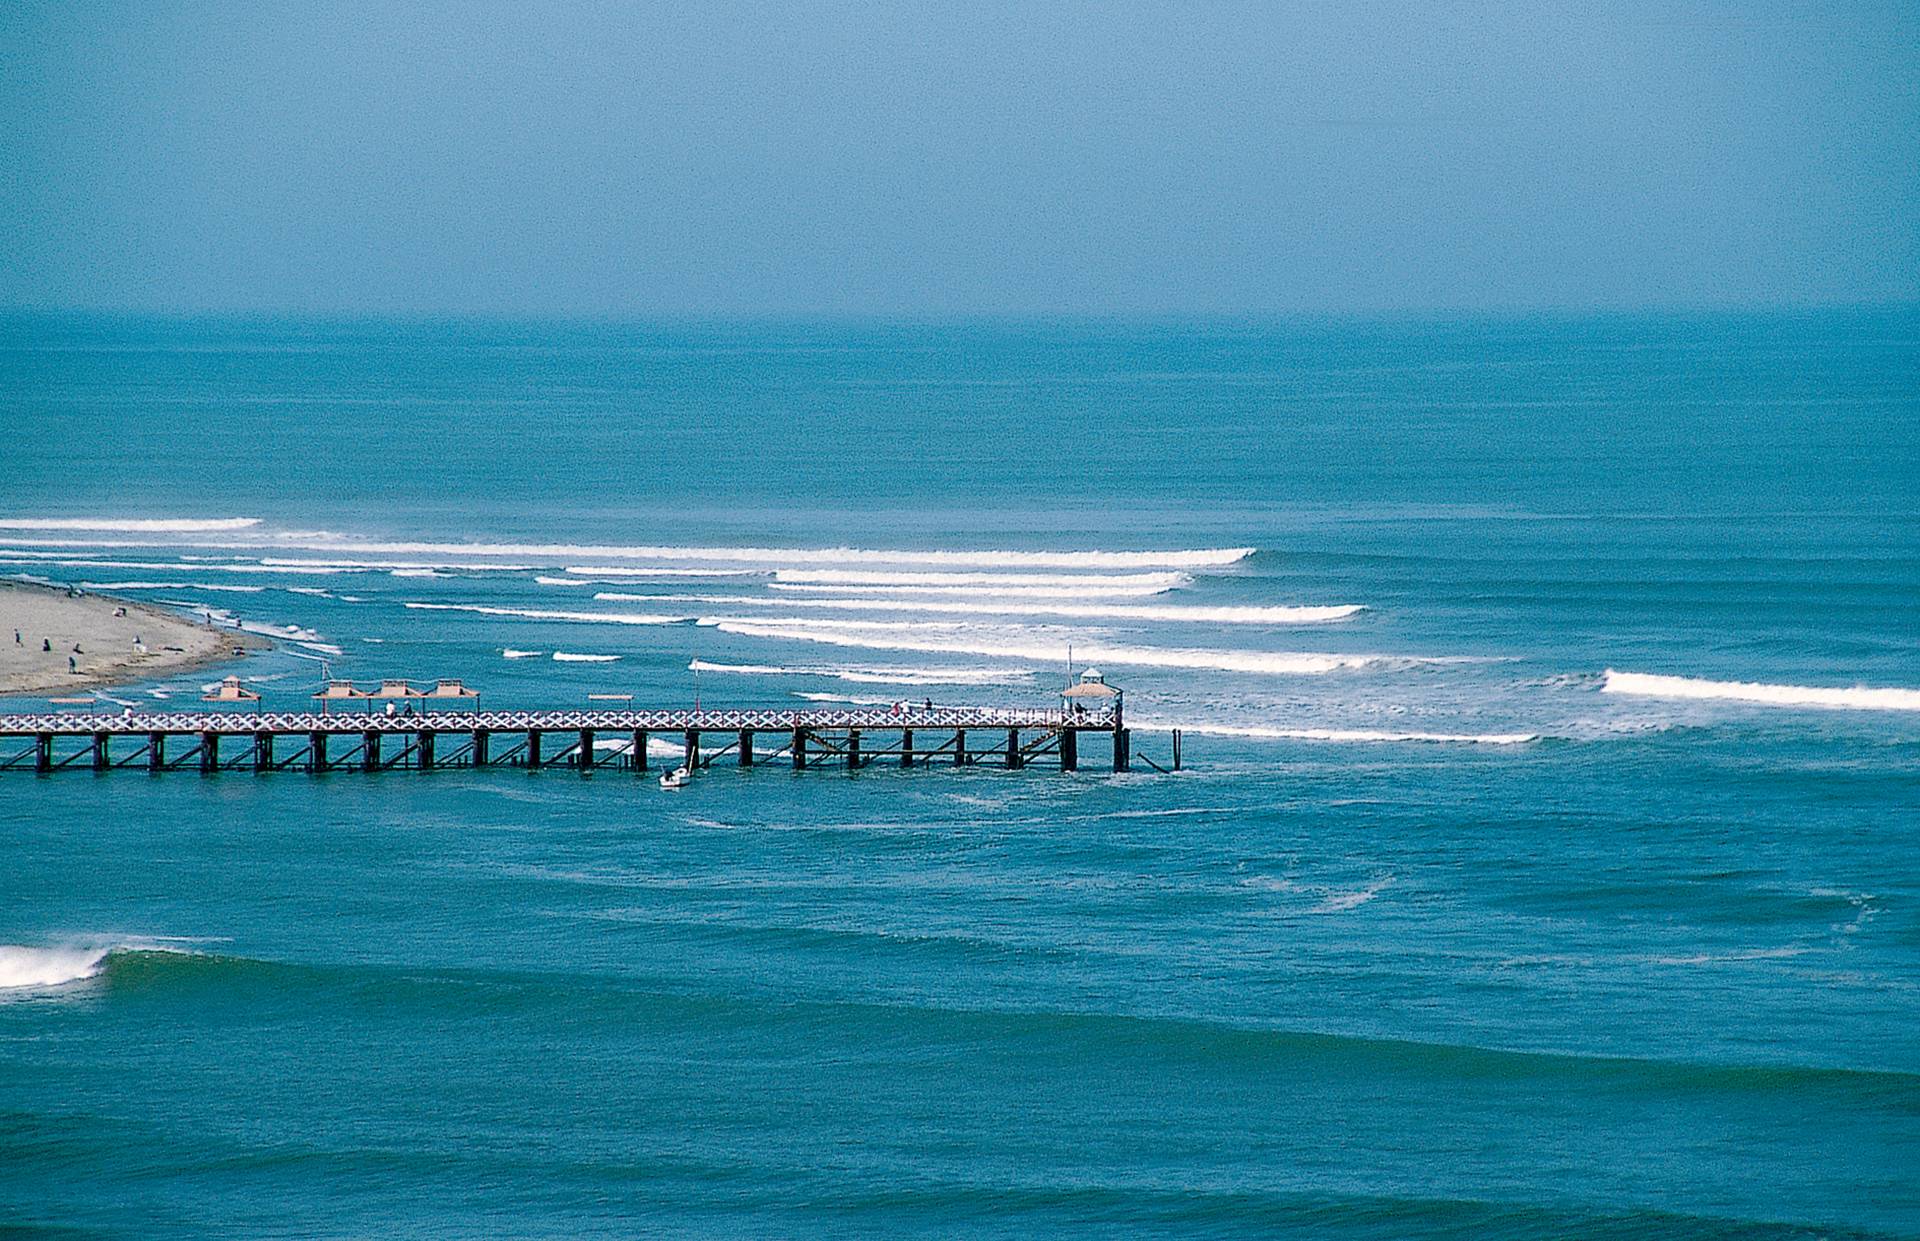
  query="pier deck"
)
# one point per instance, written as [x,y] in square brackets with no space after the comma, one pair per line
[587,741]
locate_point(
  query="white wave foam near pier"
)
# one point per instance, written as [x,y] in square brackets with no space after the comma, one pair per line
[899,636]
[1854,698]
[1335,734]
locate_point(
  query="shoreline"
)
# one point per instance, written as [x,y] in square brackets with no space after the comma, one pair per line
[119,641]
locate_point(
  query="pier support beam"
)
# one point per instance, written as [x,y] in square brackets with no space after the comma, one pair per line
[959,747]
[639,755]
[746,747]
[423,749]
[156,751]
[693,749]
[209,752]
[43,752]
[1176,749]
[533,749]
[263,751]
[1122,749]
[1014,756]
[853,749]
[906,747]
[480,738]
[316,751]
[101,761]
[585,753]
[1069,749]
[370,752]
[799,748]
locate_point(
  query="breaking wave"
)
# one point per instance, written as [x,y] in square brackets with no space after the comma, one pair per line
[1856,698]
[899,636]
[1078,581]
[1091,611]
[599,618]
[568,657]
[1336,734]
[27,968]
[876,676]
[133,525]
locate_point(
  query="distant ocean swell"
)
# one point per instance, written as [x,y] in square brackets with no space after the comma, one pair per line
[1076,1035]
[1855,698]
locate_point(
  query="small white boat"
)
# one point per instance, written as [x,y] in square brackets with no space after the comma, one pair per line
[676,778]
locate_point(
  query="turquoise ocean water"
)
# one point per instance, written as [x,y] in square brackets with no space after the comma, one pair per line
[1569,886]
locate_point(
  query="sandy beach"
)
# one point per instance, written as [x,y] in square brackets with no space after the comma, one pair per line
[109,641]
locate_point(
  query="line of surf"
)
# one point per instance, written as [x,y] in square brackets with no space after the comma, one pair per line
[963,592]
[1259,732]
[1193,614]
[874,675]
[1853,698]
[897,637]
[132,525]
[598,618]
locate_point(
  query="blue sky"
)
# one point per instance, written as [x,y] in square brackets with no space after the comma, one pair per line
[985,158]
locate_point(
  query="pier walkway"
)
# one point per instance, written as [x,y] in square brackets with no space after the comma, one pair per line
[586,741]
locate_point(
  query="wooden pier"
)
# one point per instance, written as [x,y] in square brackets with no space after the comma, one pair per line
[584,741]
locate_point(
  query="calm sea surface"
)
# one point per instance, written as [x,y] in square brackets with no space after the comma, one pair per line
[1569,886]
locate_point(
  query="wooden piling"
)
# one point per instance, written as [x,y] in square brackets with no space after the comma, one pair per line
[156,751]
[533,749]
[209,751]
[692,760]
[43,753]
[370,751]
[316,751]
[799,749]
[263,751]
[1069,749]
[959,747]
[746,747]
[906,747]
[480,738]
[639,756]
[586,751]
[1013,749]
[853,749]
[101,761]
[1122,749]
[423,748]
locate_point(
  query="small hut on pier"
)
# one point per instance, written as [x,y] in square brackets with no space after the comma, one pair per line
[230,691]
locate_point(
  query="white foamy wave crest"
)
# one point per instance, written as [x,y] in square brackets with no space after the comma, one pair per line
[1856,698]
[1070,581]
[876,676]
[614,570]
[1335,734]
[898,636]
[967,592]
[132,525]
[510,653]
[399,568]
[168,566]
[1091,611]
[591,618]
[49,967]
[773,557]
[569,657]
[848,699]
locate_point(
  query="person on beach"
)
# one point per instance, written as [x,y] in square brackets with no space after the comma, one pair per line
[71,665]
[16,637]
[46,644]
